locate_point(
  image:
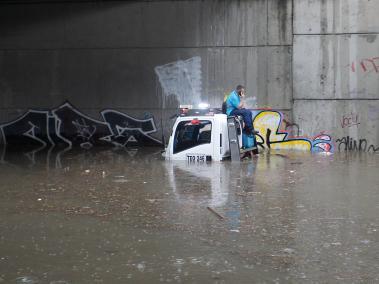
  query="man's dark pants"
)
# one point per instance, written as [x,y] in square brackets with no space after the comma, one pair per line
[247,117]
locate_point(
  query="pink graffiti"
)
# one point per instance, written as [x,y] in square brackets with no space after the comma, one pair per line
[350,120]
[366,65]
[322,141]
[326,147]
[322,137]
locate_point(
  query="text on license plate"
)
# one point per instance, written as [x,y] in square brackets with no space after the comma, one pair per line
[196,158]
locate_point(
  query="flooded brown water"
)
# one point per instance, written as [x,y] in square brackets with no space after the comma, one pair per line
[130,217]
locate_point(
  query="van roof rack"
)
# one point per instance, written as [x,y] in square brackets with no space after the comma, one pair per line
[195,112]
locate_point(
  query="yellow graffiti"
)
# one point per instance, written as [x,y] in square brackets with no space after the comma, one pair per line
[268,125]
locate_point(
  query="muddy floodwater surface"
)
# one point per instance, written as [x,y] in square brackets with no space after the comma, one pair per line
[129,216]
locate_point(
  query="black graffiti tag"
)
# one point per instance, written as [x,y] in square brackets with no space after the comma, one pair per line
[349,144]
[65,126]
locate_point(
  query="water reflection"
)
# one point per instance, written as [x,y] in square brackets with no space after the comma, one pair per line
[58,158]
[205,184]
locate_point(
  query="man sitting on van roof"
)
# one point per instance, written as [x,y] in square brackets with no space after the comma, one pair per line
[236,106]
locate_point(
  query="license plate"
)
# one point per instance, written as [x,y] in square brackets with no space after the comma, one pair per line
[195,158]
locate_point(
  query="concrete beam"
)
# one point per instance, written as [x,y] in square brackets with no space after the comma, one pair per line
[336,66]
[335,16]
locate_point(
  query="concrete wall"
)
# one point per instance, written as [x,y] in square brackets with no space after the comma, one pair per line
[315,60]
[336,69]
[105,55]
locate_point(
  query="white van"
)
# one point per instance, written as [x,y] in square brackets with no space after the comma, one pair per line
[201,138]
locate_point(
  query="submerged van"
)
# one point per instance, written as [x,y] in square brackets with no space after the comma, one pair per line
[208,137]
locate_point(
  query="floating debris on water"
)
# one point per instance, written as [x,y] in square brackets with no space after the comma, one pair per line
[27,280]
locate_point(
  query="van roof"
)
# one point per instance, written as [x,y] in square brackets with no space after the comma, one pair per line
[199,112]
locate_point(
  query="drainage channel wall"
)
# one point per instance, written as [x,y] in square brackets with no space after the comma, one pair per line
[122,68]
[336,71]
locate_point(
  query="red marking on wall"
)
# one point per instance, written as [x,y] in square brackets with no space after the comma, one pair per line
[350,120]
[366,65]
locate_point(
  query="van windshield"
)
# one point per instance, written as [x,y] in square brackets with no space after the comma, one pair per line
[192,133]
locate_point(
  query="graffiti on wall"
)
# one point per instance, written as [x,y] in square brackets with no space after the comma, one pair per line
[291,127]
[350,144]
[182,79]
[65,126]
[349,120]
[269,123]
[366,65]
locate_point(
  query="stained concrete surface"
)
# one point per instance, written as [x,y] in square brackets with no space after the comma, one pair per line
[101,55]
[130,217]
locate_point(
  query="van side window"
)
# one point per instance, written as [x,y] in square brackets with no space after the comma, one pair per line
[192,133]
